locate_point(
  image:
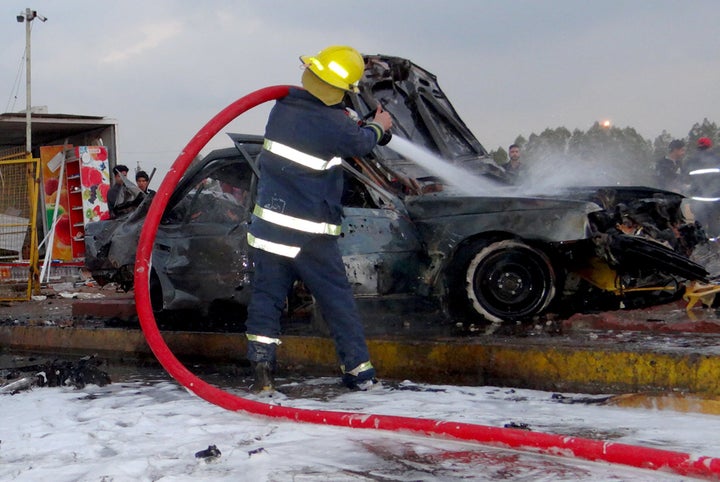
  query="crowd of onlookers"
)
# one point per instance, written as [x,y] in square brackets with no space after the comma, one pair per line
[124,195]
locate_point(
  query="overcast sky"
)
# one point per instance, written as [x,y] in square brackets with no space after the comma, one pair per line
[163,68]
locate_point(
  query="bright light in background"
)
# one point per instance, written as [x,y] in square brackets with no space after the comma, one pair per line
[606,123]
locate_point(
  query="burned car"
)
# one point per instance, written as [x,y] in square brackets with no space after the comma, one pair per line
[492,254]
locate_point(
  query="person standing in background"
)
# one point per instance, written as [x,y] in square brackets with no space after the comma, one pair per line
[703,169]
[123,196]
[514,167]
[669,170]
[143,181]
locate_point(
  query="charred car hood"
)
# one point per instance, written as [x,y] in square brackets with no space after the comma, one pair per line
[440,205]
[531,218]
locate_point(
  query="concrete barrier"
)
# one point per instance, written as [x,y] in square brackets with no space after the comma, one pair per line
[474,361]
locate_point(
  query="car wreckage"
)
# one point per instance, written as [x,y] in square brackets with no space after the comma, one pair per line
[407,234]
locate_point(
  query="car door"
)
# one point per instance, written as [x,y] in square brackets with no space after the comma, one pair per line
[201,252]
[379,244]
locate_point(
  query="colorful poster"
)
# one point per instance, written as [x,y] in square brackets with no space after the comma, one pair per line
[95,179]
[52,160]
[82,178]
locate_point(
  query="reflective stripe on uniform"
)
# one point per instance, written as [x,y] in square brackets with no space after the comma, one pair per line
[705,199]
[275,248]
[379,131]
[358,369]
[263,339]
[296,223]
[300,157]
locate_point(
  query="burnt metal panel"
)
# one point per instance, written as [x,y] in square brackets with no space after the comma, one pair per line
[381,251]
[444,221]
[206,261]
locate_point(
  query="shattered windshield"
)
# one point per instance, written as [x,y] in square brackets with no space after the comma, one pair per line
[220,195]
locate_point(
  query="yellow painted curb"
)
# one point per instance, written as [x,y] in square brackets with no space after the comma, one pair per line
[464,361]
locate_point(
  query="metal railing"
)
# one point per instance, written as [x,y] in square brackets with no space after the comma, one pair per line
[19,197]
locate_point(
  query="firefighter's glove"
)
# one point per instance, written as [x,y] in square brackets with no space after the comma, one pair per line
[387,135]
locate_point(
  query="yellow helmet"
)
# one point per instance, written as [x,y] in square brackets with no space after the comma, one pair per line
[339,66]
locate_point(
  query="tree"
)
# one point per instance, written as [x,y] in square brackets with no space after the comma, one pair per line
[550,143]
[500,156]
[601,155]
[660,145]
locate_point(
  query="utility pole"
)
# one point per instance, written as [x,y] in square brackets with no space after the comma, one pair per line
[28,17]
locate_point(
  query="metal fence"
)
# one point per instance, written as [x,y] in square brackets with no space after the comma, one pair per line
[19,184]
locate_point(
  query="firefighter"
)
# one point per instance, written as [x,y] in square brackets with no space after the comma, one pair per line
[704,156]
[704,174]
[297,216]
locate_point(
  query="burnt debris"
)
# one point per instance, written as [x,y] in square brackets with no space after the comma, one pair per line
[54,373]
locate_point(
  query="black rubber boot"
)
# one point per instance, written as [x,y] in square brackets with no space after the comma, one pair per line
[363,380]
[263,381]
[355,383]
[365,385]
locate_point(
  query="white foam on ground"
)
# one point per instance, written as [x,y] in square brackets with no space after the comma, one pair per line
[134,431]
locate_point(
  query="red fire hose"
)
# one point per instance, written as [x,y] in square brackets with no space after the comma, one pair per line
[542,443]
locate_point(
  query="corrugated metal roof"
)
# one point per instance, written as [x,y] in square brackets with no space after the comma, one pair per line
[48,129]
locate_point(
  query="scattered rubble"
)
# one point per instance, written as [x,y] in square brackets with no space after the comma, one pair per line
[54,373]
[209,454]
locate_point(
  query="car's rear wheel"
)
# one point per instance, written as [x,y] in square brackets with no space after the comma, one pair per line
[507,280]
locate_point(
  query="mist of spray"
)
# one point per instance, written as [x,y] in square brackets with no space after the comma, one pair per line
[546,175]
[550,173]
[466,182]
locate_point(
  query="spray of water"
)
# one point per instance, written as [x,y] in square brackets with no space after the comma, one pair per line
[553,172]
[544,176]
[466,182]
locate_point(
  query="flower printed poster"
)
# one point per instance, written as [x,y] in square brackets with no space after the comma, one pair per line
[95,180]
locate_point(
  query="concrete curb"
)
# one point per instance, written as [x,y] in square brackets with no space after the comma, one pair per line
[470,361]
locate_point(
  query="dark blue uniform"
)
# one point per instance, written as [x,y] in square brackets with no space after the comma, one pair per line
[296,222]
[704,174]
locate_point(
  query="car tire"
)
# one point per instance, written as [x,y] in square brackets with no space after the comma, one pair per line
[507,280]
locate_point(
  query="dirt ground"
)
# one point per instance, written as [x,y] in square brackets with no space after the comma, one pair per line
[54,304]
[54,307]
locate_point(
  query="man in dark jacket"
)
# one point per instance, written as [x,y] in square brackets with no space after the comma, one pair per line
[669,170]
[515,167]
[123,196]
[142,180]
[297,216]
